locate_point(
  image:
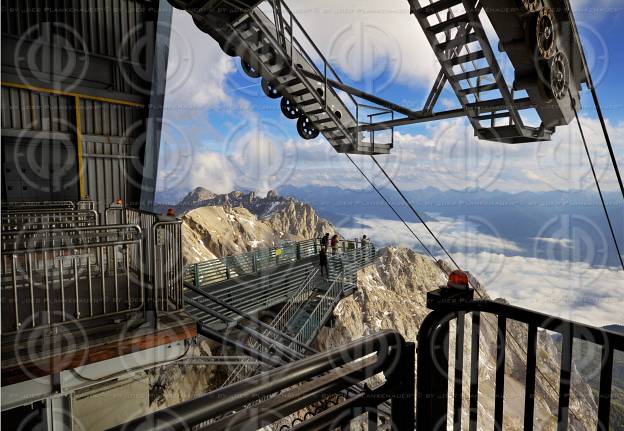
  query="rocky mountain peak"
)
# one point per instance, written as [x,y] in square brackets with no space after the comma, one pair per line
[238,222]
[196,197]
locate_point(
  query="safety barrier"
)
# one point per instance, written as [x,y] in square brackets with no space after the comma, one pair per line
[167,264]
[347,263]
[296,387]
[28,205]
[217,270]
[321,313]
[279,323]
[434,373]
[253,295]
[38,219]
[58,275]
[162,263]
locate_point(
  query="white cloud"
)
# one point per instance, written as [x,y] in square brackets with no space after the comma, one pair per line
[197,68]
[213,171]
[576,291]
[562,242]
[367,38]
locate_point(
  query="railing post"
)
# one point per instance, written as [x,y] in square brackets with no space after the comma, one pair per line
[196,275]
[403,399]
[432,371]
[254,264]
[298,251]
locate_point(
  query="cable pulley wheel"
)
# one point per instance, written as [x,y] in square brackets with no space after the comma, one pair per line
[531,5]
[306,129]
[546,35]
[289,109]
[559,75]
[229,46]
[250,69]
[270,88]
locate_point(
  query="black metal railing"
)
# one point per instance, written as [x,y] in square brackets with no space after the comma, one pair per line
[298,386]
[434,374]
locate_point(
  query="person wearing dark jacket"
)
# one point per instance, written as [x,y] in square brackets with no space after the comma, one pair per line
[323,260]
[334,244]
[325,240]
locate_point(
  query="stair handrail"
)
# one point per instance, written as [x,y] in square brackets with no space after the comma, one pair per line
[279,322]
[326,65]
[321,311]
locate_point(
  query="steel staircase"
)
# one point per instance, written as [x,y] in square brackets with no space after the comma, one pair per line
[301,318]
[273,49]
[279,322]
[456,34]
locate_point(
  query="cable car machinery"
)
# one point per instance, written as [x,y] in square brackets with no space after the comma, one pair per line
[539,37]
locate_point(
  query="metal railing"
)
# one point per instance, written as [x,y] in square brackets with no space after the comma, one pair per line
[217,270]
[58,275]
[214,271]
[168,266]
[349,261]
[27,205]
[321,313]
[279,323]
[254,295]
[38,219]
[434,373]
[162,263]
[265,399]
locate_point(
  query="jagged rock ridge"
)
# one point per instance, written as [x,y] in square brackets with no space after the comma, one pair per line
[237,222]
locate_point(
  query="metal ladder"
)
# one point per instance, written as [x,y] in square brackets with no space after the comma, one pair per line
[474,72]
[274,49]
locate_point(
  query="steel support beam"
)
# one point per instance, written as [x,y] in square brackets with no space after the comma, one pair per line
[151,151]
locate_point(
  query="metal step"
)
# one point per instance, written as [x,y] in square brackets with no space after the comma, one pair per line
[471,74]
[466,58]
[479,89]
[449,24]
[457,41]
[436,7]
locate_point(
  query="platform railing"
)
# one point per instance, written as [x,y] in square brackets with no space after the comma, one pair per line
[50,277]
[217,270]
[38,219]
[279,323]
[349,259]
[167,264]
[27,205]
[162,263]
[435,375]
[321,313]
[267,398]
[214,271]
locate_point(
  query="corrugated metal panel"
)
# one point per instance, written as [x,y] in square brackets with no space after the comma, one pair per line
[108,133]
[33,111]
[108,28]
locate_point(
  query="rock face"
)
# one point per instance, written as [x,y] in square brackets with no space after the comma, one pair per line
[242,222]
[392,295]
[172,384]
[259,206]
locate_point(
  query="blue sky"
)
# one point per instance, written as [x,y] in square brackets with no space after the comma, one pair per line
[221,132]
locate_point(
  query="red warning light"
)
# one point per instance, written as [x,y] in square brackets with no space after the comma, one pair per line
[458,279]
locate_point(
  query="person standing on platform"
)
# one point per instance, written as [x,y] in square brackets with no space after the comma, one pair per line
[323,260]
[334,244]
